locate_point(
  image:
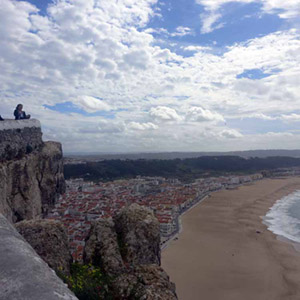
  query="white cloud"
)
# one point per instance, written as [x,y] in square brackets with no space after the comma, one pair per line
[291,118]
[91,104]
[137,59]
[259,116]
[196,48]
[182,31]
[208,22]
[198,114]
[164,113]
[230,133]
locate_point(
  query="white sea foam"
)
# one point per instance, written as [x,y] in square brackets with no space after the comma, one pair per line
[279,218]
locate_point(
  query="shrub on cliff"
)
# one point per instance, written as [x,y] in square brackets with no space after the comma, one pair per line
[87,282]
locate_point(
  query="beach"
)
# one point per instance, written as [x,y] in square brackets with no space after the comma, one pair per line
[226,252]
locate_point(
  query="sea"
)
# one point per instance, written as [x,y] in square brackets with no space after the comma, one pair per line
[283,218]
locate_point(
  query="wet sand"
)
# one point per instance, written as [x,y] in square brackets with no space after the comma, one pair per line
[226,252]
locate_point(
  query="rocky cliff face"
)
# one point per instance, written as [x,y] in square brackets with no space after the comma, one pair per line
[127,250]
[50,241]
[31,171]
[31,177]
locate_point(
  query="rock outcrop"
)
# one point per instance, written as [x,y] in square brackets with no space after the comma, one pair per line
[50,241]
[102,248]
[138,230]
[31,171]
[127,249]
[23,274]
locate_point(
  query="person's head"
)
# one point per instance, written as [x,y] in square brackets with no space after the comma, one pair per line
[19,107]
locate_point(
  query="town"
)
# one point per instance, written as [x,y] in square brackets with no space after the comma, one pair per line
[84,202]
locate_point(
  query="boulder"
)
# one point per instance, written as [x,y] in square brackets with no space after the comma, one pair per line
[50,241]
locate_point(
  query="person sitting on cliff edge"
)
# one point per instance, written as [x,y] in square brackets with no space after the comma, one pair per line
[1,119]
[20,114]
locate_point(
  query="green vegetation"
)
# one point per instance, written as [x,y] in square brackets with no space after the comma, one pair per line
[87,282]
[183,169]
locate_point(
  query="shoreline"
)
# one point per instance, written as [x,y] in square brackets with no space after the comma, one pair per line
[166,244]
[226,251]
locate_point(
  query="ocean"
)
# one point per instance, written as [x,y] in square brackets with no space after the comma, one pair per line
[283,218]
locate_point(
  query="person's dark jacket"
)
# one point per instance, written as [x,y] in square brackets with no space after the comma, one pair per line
[20,115]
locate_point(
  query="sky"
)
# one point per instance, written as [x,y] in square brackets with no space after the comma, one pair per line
[115,76]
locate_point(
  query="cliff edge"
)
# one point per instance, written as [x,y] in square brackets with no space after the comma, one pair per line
[31,171]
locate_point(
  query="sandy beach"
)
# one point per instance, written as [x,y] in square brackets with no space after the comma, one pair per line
[226,252]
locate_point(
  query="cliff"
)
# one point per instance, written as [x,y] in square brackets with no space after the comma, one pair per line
[125,248]
[31,178]
[31,171]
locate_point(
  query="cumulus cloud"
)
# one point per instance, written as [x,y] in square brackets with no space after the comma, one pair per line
[91,104]
[230,133]
[137,59]
[164,113]
[199,114]
[100,56]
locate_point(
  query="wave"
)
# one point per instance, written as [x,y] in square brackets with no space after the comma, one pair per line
[284,217]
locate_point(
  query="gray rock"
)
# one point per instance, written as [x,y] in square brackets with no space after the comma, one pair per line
[144,282]
[23,274]
[139,235]
[153,283]
[102,248]
[50,241]
[138,276]
[124,286]
[31,184]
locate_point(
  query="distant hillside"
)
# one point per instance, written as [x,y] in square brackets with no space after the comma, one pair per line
[184,169]
[183,155]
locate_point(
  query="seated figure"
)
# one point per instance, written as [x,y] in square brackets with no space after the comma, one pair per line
[1,119]
[20,114]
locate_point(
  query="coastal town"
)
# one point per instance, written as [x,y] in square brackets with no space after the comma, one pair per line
[84,202]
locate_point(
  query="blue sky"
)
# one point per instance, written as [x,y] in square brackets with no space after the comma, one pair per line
[150,75]
[242,22]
